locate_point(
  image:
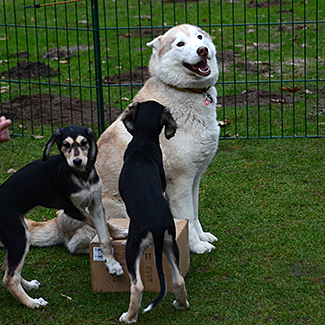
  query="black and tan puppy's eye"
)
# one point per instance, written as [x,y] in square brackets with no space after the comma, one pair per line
[84,143]
[66,145]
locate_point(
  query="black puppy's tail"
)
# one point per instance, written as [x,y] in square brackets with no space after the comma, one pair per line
[159,246]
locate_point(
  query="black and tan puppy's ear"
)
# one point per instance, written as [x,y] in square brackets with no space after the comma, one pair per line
[169,123]
[93,150]
[49,145]
[129,116]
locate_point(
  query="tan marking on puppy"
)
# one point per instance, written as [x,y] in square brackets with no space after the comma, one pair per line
[76,152]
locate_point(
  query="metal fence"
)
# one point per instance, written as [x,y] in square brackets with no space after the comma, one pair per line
[82,61]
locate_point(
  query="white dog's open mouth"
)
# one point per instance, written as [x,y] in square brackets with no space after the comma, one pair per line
[201,68]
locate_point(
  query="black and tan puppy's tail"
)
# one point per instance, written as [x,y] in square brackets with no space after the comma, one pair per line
[159,246]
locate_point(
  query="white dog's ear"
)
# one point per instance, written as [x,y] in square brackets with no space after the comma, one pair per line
[129,116]
[49,145]
[156,44]
[170,124]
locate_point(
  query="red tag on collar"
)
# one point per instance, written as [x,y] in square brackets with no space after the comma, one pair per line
[207,102]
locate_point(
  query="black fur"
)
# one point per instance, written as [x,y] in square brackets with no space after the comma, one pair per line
[51,182]
[142,184]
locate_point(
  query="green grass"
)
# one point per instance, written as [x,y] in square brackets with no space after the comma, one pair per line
[264,199]
[265,202]
[235,26]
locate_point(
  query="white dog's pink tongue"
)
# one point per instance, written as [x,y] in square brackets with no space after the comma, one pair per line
[200,68]
[202,65]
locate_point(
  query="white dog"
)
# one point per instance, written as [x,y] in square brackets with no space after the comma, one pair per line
[183,69]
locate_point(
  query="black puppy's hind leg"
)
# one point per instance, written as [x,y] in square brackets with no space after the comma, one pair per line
[133,255]
[17,251]
[172,254]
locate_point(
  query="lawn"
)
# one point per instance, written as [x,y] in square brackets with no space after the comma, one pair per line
[264,199]
[263,46]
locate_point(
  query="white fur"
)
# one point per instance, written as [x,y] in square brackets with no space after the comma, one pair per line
[188,154]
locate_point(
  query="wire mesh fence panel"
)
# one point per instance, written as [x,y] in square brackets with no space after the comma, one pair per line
[82,62]
[47,65]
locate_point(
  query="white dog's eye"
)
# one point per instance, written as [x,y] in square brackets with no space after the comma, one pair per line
[199,36]
[180,44]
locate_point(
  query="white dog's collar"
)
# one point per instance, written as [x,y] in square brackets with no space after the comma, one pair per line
[190,90]
[204,91]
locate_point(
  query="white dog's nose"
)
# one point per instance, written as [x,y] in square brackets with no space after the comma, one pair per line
[202,51]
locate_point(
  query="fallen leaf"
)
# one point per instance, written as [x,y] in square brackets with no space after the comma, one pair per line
[290,90]
[224,123]
[277,100]
[4,89]
[11,171]
[64,296]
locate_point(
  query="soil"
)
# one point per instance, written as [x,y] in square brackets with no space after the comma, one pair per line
[34,70]
[254,97]
[266,4]
[58,111]
[55,110]
[139,75]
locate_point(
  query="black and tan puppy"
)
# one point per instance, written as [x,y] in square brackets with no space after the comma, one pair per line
[141,185]
[66,181]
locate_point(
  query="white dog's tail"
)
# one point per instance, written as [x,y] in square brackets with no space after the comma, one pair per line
[62,230]
[44,233]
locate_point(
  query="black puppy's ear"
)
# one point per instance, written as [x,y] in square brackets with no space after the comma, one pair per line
[129,116]
[49,145]
[169,123]
[93,150]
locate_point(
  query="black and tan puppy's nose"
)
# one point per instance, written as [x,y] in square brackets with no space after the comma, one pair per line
[202,51]
[77,162]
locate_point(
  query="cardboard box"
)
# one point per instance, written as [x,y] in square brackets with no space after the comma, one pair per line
[101,280]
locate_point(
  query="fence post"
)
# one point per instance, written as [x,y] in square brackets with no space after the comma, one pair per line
[98,68]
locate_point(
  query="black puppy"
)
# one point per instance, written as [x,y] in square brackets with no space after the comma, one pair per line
[141,185]
[66,181]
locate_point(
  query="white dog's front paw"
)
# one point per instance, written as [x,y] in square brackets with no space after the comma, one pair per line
[123,319]
[121,232]
[201,247]
[117,232]
[207,236]
[40,302]
[114,267]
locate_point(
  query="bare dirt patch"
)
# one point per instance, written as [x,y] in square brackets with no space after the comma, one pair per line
[55,110]
[30,70]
